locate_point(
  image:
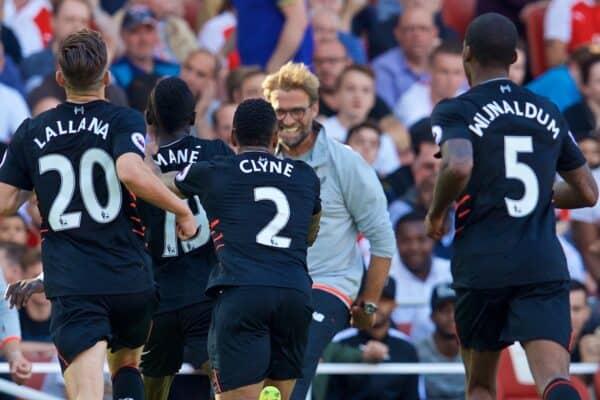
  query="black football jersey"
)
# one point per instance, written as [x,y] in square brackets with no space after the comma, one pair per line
[92,236]
[260,210]
[505,220]
[181,268]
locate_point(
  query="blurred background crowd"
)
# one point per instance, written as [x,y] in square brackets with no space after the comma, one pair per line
[382,65]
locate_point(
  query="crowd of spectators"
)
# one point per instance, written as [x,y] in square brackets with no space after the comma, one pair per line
[382,65]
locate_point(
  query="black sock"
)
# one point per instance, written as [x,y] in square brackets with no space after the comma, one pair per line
[561,389]
[128,384]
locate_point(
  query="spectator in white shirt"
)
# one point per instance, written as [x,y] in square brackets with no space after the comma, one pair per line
[416,272]
[447,78]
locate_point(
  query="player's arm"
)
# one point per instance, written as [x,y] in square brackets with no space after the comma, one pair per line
[139,178]
[455,172]
[166,178]
[15,179]
[292,33]
[579,189]
[12,198]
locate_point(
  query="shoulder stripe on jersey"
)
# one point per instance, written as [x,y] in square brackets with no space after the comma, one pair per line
[345,334]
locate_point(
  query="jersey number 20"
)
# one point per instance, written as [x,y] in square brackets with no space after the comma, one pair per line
[103,214]
[513,145]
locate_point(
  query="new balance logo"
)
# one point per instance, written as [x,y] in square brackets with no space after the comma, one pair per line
[505,88]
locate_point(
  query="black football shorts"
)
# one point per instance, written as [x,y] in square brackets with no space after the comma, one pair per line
[492,319]
[79,322]
[258,332]
[172,332]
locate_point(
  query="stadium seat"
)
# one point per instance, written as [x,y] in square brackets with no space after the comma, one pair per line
[533,17]
[515,381]
[457,14]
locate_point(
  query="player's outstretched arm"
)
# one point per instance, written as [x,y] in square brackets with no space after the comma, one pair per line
[139,178]
[455,172]
[579,189]
[12,198]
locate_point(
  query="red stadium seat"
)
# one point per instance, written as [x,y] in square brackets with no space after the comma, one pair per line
[457,14]
[509,385]
[533,17]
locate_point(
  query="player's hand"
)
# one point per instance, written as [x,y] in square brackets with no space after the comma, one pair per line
[359,319]
[435,226]
[187,227]
[374,352]
[20,369]
[18,293]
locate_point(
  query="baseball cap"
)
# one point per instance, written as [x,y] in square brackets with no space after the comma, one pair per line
[136,16]
[441,294]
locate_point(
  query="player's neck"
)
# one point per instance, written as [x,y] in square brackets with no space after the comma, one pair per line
[85,97]
[165,139]
[254,149]
[481,75]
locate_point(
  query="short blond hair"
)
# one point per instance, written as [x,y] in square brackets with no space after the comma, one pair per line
[292,76]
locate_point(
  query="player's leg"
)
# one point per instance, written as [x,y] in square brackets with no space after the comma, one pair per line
[162,355]
[481,368]
[80,328]
[195,323]
[131,321]
[285,387]
[84,376]
[239,344]
[549,364]
[127,381]
[330,316]
[540,320]
[249,392]
[480,316]
[289,335]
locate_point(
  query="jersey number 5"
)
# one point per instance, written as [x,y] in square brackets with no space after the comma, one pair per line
[513,145]
[103,214]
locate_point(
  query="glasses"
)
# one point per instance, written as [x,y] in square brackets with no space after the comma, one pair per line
[296,112]
[329,60]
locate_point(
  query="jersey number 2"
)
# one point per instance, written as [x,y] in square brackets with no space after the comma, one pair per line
[268,235]
[513,145]
[103,214]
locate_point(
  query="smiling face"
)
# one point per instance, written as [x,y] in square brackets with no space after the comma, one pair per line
[414,246]
[293,129]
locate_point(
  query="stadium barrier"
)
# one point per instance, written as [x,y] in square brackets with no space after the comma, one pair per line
[324,368]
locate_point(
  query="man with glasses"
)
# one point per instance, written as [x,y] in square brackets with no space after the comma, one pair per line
[353,201]
[330,58]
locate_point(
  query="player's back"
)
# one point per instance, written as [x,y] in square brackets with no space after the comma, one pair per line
[181,268]
[92,234]
[505,222]
[260,209]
